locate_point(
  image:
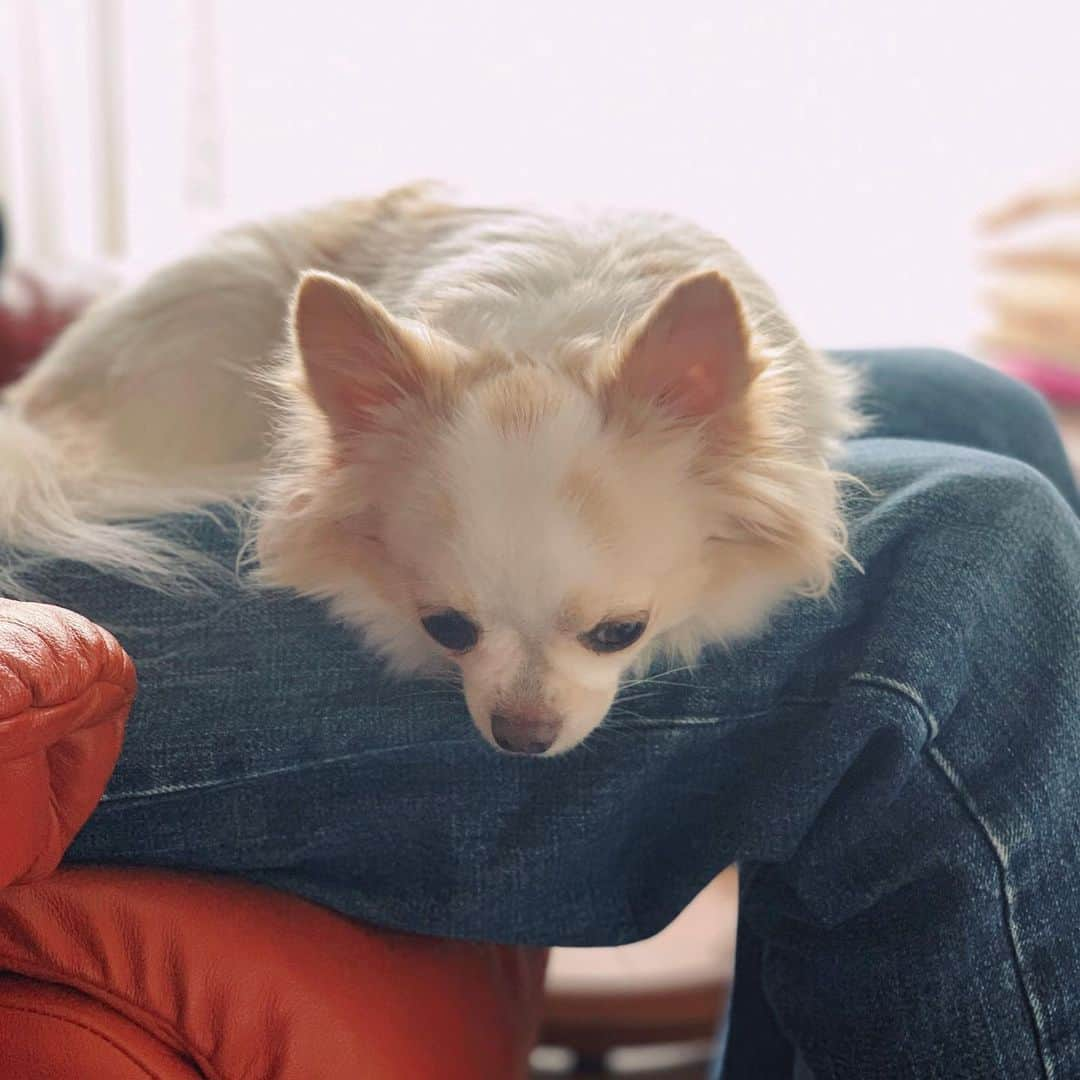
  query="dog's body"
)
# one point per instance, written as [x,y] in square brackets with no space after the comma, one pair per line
[534,449]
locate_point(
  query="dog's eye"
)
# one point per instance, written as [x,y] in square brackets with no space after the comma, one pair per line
[452,630]
[613,635]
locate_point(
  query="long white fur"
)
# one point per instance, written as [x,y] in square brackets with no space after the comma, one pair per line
[156,401]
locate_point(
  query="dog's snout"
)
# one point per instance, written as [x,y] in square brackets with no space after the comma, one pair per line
[523,734]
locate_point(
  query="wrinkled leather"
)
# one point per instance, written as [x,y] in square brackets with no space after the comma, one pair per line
[66,687]
[53,1033]
[126,972]
[242,981]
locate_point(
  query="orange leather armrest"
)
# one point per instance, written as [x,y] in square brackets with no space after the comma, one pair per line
[66,687]
[238,980]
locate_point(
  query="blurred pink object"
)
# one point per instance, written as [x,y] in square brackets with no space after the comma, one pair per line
[1059,382]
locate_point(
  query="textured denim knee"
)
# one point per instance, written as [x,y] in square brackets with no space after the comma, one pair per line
[1003,493]
[1007,399]
[944,724]
[934,394]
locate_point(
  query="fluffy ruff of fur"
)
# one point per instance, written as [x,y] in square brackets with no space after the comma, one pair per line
[543,426]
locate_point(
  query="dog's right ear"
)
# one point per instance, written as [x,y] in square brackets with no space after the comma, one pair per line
[357,358]
[691,352]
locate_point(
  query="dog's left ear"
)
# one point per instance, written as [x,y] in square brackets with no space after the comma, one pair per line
[690,354]
[357,357]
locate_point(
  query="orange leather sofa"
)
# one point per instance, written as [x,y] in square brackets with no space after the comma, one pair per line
[118,973]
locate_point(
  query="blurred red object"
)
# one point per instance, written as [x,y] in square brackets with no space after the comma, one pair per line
[32,314]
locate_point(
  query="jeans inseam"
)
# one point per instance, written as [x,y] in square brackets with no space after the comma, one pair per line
[997,846]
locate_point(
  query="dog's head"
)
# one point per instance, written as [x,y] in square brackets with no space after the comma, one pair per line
[542,525]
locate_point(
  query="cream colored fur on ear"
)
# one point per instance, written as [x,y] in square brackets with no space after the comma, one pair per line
[357,359]
[691,354]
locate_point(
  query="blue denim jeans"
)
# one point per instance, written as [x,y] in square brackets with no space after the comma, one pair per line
[895,769]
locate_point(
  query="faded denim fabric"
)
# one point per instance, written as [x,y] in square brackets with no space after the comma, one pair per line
[897,770]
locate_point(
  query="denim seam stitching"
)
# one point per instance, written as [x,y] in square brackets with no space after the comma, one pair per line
[906,690]
[204,785]
[997,846]
[649,723]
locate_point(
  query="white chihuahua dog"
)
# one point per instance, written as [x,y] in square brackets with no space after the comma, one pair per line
[531,450]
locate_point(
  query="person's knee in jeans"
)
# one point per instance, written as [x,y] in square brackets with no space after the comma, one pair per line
[953,679]
[939,395]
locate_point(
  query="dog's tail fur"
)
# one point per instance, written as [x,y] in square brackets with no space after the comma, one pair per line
[143,407]
[62,500]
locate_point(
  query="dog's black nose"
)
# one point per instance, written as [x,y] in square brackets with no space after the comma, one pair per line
[523,735]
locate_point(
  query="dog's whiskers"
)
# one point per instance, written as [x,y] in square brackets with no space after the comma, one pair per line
[660,678]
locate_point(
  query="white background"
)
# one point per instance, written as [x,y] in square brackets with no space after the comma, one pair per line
[846,147]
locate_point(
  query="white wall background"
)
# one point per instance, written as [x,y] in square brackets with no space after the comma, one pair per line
[846,146]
